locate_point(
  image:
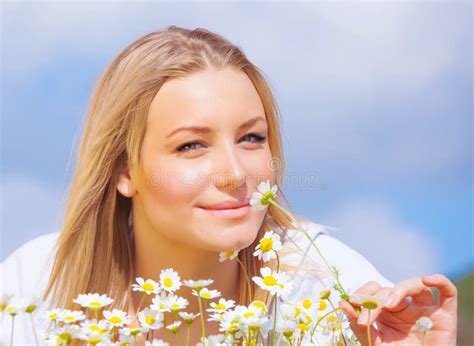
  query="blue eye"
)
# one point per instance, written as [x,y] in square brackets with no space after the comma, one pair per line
[191,146]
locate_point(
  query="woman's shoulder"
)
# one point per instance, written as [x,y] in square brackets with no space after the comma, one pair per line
[26,270]
[354,269]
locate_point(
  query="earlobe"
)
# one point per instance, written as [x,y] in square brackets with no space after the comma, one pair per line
[124,183]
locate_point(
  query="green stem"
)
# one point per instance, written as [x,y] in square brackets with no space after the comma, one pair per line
[312,243]
[203,328]
[187,335]
[249,286]
[322,318]
[368,328]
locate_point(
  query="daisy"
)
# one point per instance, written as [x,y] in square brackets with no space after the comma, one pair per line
[221,306]
[170,280]
[94,338]
[116,317]
[66,333]
[175,303]
[424,324]
[207,294]
[197,284]
[156,342]
[93,301]
[52,315]
[92,326]
[228,255]
[259,305]
[265,194]
[5,300]
[147,286]
[288,328]
[187,316]
[150,319]
[70,316]
[160,302]
[12,309]
[268,246]
[216,317]
[276,283]
[131,331]
[32,304]
[174,327]
[367,301]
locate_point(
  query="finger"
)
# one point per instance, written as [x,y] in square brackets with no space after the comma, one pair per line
[348,310]
[409,287]
[369,288]
[382,296]
[359,331]
[445,287]
[426,297]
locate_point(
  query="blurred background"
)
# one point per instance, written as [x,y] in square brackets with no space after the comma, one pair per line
[376,100]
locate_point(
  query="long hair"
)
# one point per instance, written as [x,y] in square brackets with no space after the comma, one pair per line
[94,252]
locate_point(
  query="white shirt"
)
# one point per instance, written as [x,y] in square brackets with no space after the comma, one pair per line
[26,271]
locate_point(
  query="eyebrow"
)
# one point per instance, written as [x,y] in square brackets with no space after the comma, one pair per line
[201,129]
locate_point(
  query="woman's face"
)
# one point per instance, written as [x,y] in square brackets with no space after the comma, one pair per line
[184,172]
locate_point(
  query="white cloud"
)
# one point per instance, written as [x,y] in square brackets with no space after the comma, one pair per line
[373,229]
[29,208]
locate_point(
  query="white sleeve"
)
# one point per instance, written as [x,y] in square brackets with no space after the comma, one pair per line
[355,269]
[24,273]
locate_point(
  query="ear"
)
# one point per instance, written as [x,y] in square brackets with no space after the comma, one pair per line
[125,184]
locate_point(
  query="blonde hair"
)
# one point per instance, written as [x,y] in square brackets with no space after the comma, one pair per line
[94,252]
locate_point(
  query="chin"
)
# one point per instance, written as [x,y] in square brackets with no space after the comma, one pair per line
[231,237]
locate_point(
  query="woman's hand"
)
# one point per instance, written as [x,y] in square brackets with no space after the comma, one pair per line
[396,321]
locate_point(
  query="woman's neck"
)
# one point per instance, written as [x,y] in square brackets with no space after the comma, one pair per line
[154,252]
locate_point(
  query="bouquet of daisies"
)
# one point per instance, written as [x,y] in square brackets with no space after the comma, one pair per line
[312,320]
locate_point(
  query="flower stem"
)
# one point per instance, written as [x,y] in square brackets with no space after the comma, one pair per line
[11,337]
[203,328]
[249,286]
[187,335]
[274,320]
[423,338]
[34,329]
[368,328]
[345,295]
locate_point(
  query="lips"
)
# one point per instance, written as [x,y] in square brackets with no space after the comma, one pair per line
[227,205]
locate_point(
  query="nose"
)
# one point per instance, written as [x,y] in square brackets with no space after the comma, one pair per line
[230,173]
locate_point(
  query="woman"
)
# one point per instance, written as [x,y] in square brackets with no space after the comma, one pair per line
[181,129]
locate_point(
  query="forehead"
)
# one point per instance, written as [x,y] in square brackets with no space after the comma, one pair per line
[208,98]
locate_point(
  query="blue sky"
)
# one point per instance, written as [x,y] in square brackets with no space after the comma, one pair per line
[376,101]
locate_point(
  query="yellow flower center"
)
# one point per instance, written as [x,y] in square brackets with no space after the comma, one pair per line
[297,312]
[260,305]
[269,280]
[303,327]
[94,327]
[206,295]
[53,316]
[175,306]
[370,304]
[69,318]
[148,286]
[307,303]
[150,320]
[233,327]
[95,304]
[229,253]
[220,307]
[168,282]
[267,197]
[249,314]
[322,305]
[115,319]
[266,244]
